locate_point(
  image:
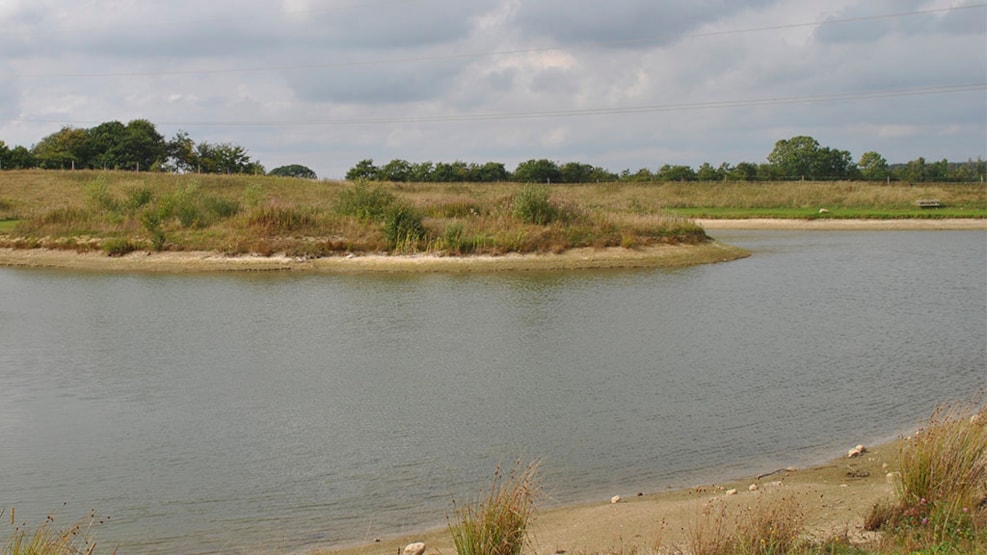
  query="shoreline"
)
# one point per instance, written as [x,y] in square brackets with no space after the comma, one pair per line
[834,224]
[660,256]
[835,496]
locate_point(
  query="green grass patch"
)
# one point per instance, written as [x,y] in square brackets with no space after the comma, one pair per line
[730,213]
[7,226]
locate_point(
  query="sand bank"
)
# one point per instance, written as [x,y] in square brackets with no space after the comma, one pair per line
[835,497]
[191,262]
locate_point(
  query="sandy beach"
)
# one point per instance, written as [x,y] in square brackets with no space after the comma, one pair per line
[835,496]
[198,262]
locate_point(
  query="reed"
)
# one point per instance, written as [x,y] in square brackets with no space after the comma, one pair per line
[47,539]
[498,524]
[768,527]
[941,485]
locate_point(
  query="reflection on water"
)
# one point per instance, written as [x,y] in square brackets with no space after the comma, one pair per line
[259,413]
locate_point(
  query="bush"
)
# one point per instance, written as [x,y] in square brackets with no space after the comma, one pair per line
[498,525]
[941,487]
[532,205]
[117,246]
[403,226]
[365,203]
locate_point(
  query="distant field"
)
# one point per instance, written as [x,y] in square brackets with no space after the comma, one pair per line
[122,211]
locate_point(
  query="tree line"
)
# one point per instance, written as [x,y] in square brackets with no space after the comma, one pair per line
[797,158]
[136,146]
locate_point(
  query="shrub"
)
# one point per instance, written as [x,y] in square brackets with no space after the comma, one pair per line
[139,197]
[365,203]
[941,487]
[117,246]
[403,226]
[151,222]
[98,197]
[531,204]
[498,525]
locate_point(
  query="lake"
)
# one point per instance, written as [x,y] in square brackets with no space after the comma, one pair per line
[268,413]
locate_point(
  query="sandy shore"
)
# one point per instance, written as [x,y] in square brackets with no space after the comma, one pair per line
[839,224]
[835,496]
[190,262]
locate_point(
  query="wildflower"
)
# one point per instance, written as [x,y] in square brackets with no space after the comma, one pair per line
[965,510]
[925,520]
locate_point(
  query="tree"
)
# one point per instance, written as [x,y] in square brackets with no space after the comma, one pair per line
[20,158]
[445,172]
[873,166]
[914,170]
[744,171]
[107,143]
[670,172]
[802,158]
[794,157]
[363,170]
[537,171]
[575,172]
[181,154]
[63,149]
[707,172]
[395,170]
[489,172]
[294,170]
[143,147]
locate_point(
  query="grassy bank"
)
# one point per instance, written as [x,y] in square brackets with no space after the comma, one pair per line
[119,212]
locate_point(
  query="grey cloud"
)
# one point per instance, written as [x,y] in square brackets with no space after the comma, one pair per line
[567,22]
[957,22]
[391,83]
[388,25]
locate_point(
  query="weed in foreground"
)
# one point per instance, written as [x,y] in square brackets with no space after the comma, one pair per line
[77,539]
[940,501]
[768,527]
[498,525]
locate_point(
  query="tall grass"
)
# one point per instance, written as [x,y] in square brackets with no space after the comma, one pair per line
[768,527]
[257,214]
[47,539]
[941,485]
[498,524]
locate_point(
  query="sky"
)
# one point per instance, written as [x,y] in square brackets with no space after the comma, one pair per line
[621,84]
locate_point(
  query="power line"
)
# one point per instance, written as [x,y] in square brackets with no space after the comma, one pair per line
[444,57]
[739,103]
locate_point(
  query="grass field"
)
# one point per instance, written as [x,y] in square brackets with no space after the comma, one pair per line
[118,212]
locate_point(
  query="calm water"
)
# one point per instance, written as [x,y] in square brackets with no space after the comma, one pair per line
[270,413]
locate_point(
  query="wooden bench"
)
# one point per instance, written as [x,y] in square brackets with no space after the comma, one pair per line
[928,203]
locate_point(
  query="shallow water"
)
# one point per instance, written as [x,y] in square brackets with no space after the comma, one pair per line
[260,413]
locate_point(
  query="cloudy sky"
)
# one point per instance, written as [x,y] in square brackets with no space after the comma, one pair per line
[622,84]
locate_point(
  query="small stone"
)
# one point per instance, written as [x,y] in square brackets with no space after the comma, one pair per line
[752,487]
[890,477]
[731,492]
[823,211]
[615,499]
[417,548]
[884,466]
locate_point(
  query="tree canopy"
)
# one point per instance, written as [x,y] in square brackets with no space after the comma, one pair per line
[294,170]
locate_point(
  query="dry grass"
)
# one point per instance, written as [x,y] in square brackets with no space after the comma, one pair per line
[770,526]
[498,524]
[48,539]
[266,215]
[941,487]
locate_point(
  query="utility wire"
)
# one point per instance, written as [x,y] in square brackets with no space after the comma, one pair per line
[415,59]
[771,101]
